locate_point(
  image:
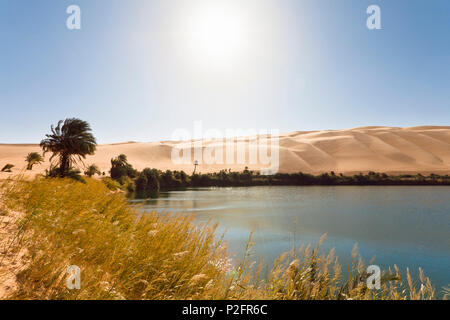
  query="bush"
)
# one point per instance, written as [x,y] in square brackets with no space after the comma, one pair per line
[7,168]
[171,180]
[56,172]
[111,184]
[147,184]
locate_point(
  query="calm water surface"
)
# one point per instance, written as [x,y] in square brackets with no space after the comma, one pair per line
[407,226]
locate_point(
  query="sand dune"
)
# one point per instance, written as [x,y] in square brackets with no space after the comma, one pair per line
[423,149]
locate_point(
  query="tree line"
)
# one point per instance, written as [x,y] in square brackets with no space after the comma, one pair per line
[149,182]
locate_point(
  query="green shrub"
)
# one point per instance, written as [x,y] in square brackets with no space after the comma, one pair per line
[147,184]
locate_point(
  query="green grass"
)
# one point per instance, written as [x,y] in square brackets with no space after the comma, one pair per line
[124,254]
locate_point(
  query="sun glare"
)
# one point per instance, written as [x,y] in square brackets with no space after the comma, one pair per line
[216,34]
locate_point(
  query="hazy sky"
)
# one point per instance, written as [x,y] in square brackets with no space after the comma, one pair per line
[140,69]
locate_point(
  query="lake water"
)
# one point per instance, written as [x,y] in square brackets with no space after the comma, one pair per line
[407,226]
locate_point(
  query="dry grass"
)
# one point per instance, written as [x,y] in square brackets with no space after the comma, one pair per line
[124,254]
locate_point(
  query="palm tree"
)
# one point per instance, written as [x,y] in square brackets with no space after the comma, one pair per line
[121,168]
[120,161]
[32,159]
[70,140]
[92,170]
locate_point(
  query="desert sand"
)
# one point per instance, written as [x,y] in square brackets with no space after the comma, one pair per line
[382,149]
[13,258]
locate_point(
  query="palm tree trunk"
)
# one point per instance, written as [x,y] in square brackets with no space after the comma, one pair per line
[65,165]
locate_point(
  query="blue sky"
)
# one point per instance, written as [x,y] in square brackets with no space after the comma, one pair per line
[135,72]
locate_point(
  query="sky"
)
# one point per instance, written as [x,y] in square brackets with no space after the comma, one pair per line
[139,70]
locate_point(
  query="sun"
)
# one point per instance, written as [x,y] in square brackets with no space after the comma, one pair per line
[216,34]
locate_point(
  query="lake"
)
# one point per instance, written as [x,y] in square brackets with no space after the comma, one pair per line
[407,226]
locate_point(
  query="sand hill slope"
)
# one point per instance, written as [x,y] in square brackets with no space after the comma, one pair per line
[382,149]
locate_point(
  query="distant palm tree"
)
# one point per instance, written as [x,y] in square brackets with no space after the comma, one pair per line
[121,160]
[70,141]
[92,170]
[32,159]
